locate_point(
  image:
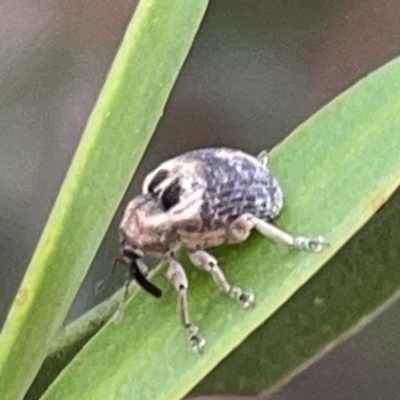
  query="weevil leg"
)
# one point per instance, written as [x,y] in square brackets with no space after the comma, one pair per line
[241,227]
[207,262]
[263,157]
[177,276]
[119,314]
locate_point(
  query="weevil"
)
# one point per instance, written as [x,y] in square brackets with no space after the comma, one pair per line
[202,199]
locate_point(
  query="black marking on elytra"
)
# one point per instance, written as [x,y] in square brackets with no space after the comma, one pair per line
[157,179]
[170,196]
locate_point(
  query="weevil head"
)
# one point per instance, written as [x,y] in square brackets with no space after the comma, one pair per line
[146,228]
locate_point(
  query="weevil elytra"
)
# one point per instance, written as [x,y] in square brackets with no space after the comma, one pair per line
[201,199]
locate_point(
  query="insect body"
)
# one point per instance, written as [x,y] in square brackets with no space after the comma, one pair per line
[201,199]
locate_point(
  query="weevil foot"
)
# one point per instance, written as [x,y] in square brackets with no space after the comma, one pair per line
[314,244]
[196,338]
[246,299]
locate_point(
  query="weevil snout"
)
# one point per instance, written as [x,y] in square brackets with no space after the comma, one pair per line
[144,230]
[146,227]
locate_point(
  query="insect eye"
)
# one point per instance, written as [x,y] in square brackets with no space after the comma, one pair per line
[157,179]
[170,196]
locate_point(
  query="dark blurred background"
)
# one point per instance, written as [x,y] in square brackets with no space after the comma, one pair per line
[258,68]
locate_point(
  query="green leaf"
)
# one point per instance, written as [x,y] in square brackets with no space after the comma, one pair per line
[337,169]
[131,103]
[70,340]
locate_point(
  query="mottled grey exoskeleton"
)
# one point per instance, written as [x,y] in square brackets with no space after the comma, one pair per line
[202,199]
